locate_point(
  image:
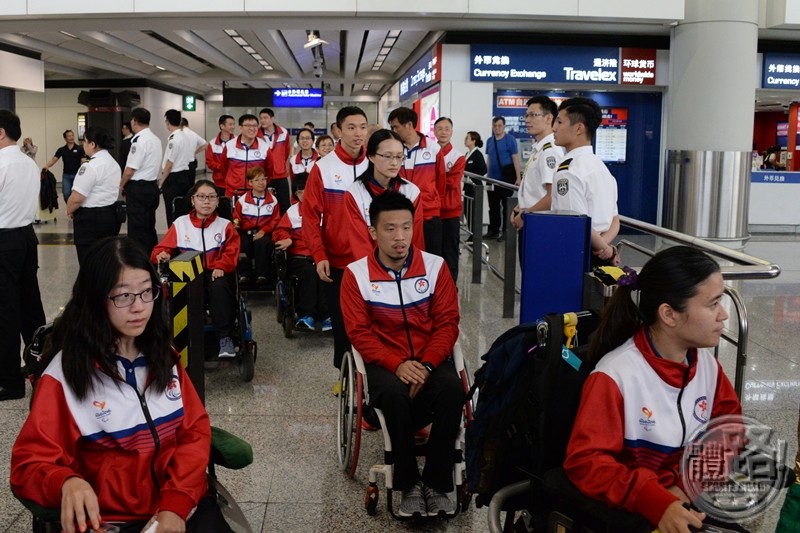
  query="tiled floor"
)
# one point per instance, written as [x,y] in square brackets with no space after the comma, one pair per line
[288,413]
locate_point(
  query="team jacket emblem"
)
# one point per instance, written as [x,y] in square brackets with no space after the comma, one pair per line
[551,161]
[421,286]
[562,186]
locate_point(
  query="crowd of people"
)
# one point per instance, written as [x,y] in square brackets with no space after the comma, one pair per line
[370,219]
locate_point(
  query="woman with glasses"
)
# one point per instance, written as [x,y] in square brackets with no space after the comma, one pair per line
[386,155]
[94,192]
[325,145]
[116,431]
[204,231]
[303,161]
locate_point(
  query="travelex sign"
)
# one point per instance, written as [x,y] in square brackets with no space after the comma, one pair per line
[561,64]
[781,71]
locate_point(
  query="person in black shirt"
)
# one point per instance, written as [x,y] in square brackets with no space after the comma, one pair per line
[125,144]
[72,154]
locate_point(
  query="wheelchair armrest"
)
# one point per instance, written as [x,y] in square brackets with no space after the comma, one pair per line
[556,484]
[229,451]
[45,514]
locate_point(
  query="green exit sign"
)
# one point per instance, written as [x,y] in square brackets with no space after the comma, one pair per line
[189,103]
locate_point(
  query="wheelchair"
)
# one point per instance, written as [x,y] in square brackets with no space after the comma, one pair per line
[353,396]
[250,285]
[246,345]
[227,451]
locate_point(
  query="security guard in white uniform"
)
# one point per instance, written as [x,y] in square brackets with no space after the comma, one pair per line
[582,183]
[140,180]
[175,180]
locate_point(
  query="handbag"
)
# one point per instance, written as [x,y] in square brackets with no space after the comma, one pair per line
[508,173]
[121,211]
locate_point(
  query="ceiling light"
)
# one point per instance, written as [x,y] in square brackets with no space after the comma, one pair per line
[394,33]
[376,67]
[267,67]
[365,87]
[389,41]
[314,39]
[241,41]
[160,68]
[68,34]
[232,33]
[263,62]
[249,49]
[385,50]
[257,56]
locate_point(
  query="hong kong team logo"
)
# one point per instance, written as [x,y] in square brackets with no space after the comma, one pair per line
[701,409]
[218,238]
[449,165]
[257,153]
[426,155]
[421,285]
[562,186]
[173,391]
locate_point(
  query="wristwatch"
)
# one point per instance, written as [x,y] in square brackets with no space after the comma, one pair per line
[428,367]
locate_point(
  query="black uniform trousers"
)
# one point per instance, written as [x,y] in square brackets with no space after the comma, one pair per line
[221,297]
[433,235]
[341,342]
[207,518]
[176,185]
[281,188]
[21,309]
[260,251]
[91,224]
[440,403]
[498,218]
[310,294]
[451,229]
[141,199]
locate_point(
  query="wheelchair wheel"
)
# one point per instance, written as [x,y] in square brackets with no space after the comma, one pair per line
[288,325]
[349,415]
[371,498]
[280,300]
[247,365]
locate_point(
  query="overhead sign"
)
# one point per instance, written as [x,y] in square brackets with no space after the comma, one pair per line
[425,72]
[297,98]
[562,64]
[781,71]
[189,103]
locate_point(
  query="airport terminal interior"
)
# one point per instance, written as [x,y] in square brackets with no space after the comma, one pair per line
[69,67]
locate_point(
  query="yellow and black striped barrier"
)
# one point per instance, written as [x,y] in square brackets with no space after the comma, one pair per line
[187,314]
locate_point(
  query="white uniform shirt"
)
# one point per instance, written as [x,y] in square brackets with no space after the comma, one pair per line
[98,180]
[180,150]
[584,185]
[19,188]
[145,156]
[194,139]
[539,171]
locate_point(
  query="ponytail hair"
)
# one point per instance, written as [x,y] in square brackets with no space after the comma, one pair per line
[670,277]
[99,136]
[372,149]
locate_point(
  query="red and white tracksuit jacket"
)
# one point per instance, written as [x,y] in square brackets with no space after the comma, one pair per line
[454,164]
[214,236]
[323,207]
[105,439]
[298,164]
[630,431]
[391,316]
[237,158]
[357,200]
[253,213]
[280,147]
[214,150]
[291,227]
[424,167]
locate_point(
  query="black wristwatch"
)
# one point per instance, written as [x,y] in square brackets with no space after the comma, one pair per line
[428,367]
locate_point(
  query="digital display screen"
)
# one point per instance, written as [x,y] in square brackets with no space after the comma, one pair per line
[611,137]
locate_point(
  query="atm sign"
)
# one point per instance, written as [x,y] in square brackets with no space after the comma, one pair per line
[512,102]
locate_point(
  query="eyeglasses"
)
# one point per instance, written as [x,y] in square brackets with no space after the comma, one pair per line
[305,139]
[390,157]
[249,125]
[126,299]
[205,197]
[531,115]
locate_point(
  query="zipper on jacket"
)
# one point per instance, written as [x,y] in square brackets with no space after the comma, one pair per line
[398,279]
[154,432]
[203,238]
[680,407]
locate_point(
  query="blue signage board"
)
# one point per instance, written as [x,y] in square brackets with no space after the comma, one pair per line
[425,72]
[545,64]
[781,71]
[297,98]
[774,176]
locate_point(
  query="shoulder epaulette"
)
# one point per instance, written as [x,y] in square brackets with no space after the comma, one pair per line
[171,135]
[564,164]
[545,146]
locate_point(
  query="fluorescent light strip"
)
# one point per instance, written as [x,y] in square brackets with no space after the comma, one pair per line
[232,33]
[68,34]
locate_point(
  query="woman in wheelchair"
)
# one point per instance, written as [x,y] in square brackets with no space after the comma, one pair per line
[116,430]
[255,216]
[310,303]
[203,231]
[656,382]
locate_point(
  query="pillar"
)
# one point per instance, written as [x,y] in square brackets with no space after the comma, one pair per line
[711,103]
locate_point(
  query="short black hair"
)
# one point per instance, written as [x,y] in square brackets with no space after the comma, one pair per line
[305,129]
[9,121]
[389,201]
[499,119]
[127,124]
[223,118]
[141,115]
[585,111]
[184,122]
[65,133]
[247,116]
[404,115]
[268,111]
[547,105]
[309,125]
[99,136]
[173,116]
[441,119]
[348,111]
[203,183]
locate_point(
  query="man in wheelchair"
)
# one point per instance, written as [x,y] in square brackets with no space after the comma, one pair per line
[202,230]
[393,301]
[255,216]
[310,303]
